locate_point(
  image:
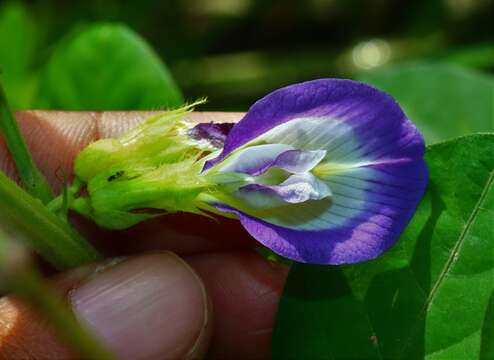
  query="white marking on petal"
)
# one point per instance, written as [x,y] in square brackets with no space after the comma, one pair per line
[299,161]
[252,158]
[316,133]
[302,187]
[296,189]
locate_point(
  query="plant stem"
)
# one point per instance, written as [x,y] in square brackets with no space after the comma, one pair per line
[47,234]
[20,279]
[32,179]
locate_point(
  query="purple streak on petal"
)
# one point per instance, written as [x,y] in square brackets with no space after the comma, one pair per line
[215,133]
[296,189]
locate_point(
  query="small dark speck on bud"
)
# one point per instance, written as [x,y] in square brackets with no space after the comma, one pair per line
[115,176]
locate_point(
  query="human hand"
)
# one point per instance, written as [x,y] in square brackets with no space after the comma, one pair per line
[219,297]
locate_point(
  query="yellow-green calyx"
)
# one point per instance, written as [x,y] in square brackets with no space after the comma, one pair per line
[153,166]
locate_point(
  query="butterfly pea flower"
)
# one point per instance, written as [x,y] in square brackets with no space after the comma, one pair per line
[328,171]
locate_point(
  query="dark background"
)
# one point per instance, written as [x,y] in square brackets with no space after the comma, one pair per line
[235,51]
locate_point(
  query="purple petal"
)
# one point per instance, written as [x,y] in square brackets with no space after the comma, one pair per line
[356,229]
[351,239]
[376,171]
[215,133]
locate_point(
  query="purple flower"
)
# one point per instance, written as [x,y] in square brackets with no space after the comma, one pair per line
[327,171]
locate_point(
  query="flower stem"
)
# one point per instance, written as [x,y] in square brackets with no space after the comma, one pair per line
[32,179]
[19,278]
[46,233]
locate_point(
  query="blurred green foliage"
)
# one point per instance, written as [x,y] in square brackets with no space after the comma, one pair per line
[106,67]
[17,51]
[444,101]
[235,51]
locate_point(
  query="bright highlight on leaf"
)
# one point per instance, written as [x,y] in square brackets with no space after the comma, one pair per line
[327,171]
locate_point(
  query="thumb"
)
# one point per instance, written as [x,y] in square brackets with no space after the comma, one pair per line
[146,307]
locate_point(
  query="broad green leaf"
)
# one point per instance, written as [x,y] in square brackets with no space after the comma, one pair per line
[17,45]
[431,296]
[444,101]
[106,67]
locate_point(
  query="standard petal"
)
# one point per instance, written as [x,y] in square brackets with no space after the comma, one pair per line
[373,166]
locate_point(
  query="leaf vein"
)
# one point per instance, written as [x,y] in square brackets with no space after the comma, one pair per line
[453,257]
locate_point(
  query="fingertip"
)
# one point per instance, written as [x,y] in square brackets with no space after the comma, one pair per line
[146,307]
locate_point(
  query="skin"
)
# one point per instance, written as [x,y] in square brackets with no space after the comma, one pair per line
[242,288]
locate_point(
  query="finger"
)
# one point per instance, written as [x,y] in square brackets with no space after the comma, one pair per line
[245,290]
[149,307]
[56,137]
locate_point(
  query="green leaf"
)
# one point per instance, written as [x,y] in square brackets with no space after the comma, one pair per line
[106,67]
[430,296]
[444,101]
[17,46]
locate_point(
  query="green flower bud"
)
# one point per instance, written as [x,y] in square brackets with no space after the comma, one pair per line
[155,166]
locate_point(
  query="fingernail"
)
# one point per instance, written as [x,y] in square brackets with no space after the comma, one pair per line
[150,307]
